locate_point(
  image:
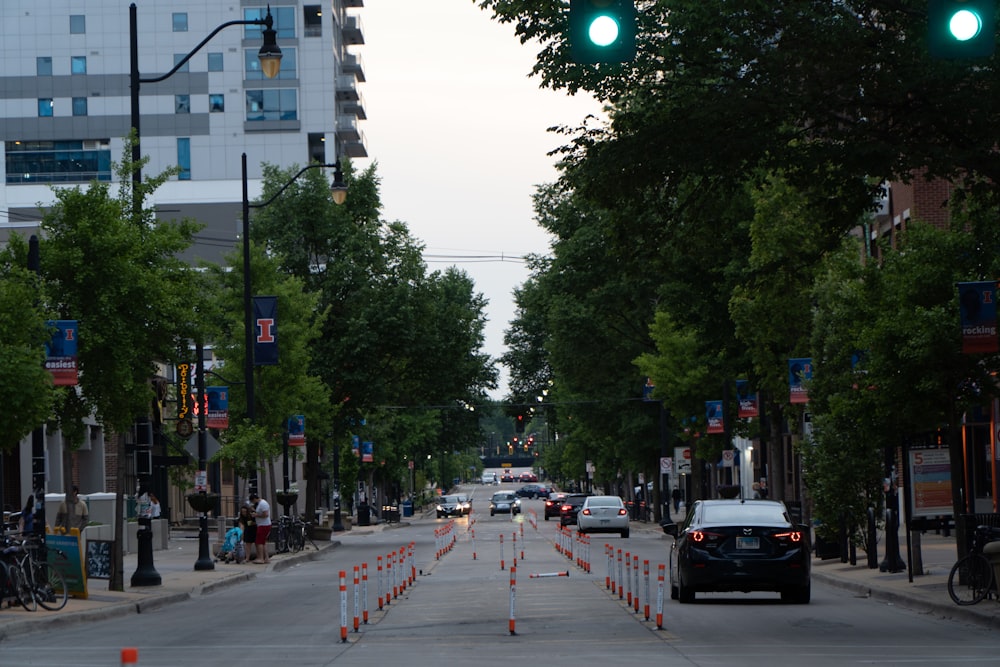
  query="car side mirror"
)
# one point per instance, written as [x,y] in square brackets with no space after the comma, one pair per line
[669,527]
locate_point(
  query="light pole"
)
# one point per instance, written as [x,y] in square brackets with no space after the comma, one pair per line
[270,61]
[338,192]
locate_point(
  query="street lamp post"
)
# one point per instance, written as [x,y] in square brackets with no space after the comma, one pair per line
[338,192]
[270,61]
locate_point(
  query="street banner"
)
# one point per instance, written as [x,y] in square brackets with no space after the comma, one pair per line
[265,317]
[647,390]
[356,445]
[799,372]
[978,313]
[297,431]
[367,451]
[217,414]
[60,353]
[749,405]
[714,417]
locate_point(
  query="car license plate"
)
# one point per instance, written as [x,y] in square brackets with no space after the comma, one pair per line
[605,521]
[503,506]
[748,543]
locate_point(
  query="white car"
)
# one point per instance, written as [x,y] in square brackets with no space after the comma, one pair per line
[603,514]
[491,478]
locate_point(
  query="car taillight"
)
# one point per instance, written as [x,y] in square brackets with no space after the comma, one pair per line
[701,536]
[622,512]
[565,508]
[585,512]
[791,536]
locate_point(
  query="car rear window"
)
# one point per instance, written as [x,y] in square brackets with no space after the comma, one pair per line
[744,513]
[605,502]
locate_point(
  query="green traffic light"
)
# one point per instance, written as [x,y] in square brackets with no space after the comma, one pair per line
[603,30]
[965,25]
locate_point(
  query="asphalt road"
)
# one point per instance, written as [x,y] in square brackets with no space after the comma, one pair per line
[458,611]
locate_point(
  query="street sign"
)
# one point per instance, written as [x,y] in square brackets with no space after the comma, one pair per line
[666,465]
[682,458]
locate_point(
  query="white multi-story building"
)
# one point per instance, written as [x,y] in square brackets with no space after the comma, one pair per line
[65,100]
[65,110]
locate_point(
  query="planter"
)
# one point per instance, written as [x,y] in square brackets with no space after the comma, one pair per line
[286,498]
[203,502]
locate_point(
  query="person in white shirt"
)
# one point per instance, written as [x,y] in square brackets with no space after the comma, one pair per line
[262,514]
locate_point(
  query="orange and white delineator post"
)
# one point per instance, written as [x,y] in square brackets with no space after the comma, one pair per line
[364,593]
[343,606]
[130,656]
[645,576]
[659,596]
[513,596]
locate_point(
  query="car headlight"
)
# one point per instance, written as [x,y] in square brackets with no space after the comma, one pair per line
[439,508]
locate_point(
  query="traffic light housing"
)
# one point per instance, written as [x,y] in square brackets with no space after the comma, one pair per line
[519,424]
[602,31]
[961,29]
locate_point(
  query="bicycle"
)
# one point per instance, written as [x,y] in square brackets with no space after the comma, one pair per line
[48,583]
[971,578]
[17,583]
[299,535]
[281,532]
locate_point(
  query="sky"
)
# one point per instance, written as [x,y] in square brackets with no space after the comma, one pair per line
[459,133]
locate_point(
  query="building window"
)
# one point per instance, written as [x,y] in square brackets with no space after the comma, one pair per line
[317,147]
[184,158]
[43,66]
[182,104]
[79,106]
[284,22]
[180,20]
[313,15]
[214,62]
[78,65]
[179,57]
[216,103]
[77,24]
[45,107]
[288,65]
[58,161]
[272,104]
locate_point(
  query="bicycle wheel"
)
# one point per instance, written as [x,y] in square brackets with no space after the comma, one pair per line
[281,539]
[295,541]
[22,588]
[50,587]
[970,579]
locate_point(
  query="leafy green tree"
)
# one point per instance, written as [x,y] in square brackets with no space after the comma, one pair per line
[116,269]
[25,385]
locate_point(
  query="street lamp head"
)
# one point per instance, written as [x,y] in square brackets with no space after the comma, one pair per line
[338,189]
[269,54]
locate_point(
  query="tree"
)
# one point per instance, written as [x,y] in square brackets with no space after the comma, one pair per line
[116,269]
[25,385]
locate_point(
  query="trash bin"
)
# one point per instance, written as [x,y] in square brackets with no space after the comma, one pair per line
[390,513]
[364,515]
[407,508]
[992,551]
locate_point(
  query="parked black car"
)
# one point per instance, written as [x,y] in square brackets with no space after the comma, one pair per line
[739,545]
[570,507]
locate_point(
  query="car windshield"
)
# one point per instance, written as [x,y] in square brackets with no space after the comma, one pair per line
[503,497]
[745,513]
[448,500]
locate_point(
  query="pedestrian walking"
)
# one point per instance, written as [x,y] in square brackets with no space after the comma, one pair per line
[73,512]
[675,495]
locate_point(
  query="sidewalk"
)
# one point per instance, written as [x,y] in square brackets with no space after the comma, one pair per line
[927,593]
[180,581]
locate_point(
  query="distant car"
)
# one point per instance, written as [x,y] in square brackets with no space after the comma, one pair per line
[449,506]
[528,477]
[571,505]
[505,502]
[739,545]
[603,514]
[465,503]
[507,477]
[490,478]
[553,503]
[533,491]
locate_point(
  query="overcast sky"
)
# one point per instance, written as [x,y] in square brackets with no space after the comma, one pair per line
[458,130]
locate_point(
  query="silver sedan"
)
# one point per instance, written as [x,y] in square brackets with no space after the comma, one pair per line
[603,514]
